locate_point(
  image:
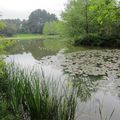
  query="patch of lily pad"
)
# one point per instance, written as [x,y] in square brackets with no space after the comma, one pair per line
[87,63]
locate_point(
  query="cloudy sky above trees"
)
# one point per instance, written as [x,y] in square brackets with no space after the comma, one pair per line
[22,8]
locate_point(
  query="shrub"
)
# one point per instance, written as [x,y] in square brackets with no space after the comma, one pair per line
[90,39]
[97,40]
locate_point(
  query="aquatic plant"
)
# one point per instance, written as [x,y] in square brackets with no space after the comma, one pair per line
[31,96]
[105,117]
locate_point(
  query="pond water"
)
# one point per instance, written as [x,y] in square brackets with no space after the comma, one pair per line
[95,72]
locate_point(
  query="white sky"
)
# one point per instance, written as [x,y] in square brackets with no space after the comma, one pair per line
[22,8]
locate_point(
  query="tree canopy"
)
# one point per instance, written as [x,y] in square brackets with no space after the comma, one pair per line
[81,16]
[53,28]
[37,19]
[97,17]
[34,24]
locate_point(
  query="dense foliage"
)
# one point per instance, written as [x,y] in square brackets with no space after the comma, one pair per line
[4,112]
[89,21]
[37,20]
[11,27]
[32,97]
[53,28]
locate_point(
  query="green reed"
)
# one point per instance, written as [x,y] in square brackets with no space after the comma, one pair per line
[32,96]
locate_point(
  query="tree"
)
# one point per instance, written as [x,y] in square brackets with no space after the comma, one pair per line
[37,19]
[2,25]
[12,26]
[90,16]
[93,22]
[53,28]
[34,24]
[49,29]
[77,17]
[24,28]
[105,14]
[3,45]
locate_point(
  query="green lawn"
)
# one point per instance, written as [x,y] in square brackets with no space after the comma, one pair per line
[32,36]
[25,36]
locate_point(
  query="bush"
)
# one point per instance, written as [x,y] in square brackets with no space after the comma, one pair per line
[97,40]
[8,31]
[53,28]
[90,39]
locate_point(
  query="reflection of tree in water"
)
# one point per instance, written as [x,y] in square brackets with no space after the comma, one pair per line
[35,47]
[86,86]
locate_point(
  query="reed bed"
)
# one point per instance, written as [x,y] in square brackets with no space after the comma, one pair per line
[32,97]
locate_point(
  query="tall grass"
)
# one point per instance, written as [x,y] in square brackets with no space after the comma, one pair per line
[31,96]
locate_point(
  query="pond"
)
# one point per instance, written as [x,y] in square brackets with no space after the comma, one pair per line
[95,72]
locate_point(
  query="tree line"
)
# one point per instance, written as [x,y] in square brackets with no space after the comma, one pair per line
[89,22]
[34,24]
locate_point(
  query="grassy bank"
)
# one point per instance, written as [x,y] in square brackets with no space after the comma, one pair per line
[32,36]
[25,36]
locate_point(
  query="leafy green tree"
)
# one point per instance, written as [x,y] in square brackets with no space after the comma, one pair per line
[34,24]
[12,27]
[84,17]
[24,28]
[2,25]
[37,19]
[105,14]
[8,31]
[2,47]
[49,29]
[53,28]
[77,17]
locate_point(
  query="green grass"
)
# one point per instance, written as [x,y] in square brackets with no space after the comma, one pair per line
[29,94]
[25,36]
[31,36]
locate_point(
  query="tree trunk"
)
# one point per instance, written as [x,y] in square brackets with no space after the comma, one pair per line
[86,17]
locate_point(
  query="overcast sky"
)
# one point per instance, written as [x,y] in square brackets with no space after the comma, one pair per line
[22,8]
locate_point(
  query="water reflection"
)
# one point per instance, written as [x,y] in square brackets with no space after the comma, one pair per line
[94,92]
[27,61]
[85,87]
[101,100]
[36,48]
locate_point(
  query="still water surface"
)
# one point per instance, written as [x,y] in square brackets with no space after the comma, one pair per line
[96,73]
